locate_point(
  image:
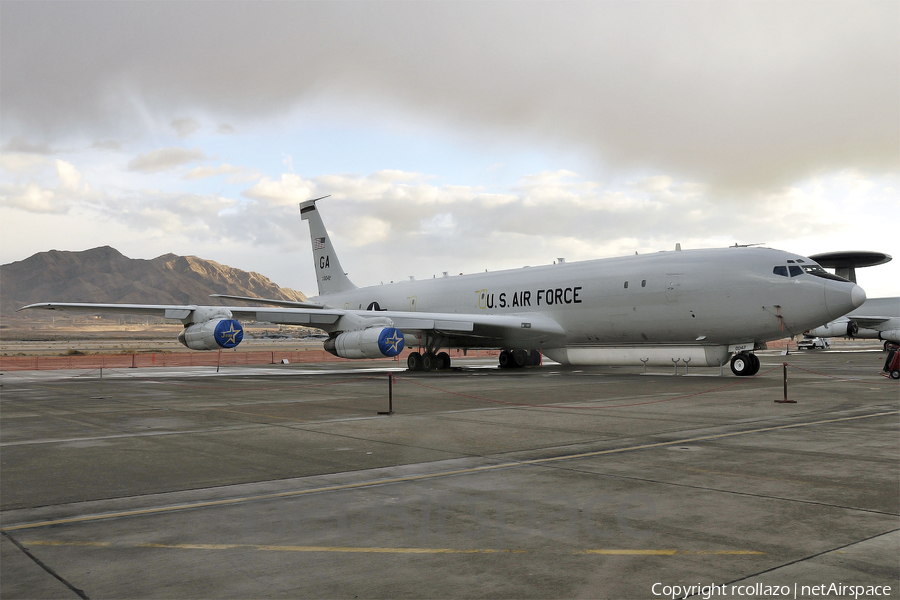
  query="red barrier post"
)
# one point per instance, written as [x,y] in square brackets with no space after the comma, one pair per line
[785,401]
[390,409]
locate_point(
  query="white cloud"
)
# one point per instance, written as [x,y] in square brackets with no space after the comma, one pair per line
[69,176]
[32,198]
[184,215]
[185,126]
[165,159]
[378,186]
[744,94]
[367,230]
[289,189]
[16,162]
[114,145]
[206,172]
[20,144]
[459,228]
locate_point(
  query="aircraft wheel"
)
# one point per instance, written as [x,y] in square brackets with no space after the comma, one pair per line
[754,367]
[505,359]
[414,361]
[443,361]
[519,358]
[895,374]
[535,358]
[741,365]
[429,361]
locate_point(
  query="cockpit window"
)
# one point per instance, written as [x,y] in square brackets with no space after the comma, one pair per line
[790,261]
[820,272]
[780,271]
[795,270]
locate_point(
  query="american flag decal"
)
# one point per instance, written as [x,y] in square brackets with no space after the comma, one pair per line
[318,243]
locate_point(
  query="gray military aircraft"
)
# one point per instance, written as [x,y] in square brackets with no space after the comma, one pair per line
[699,307]
[877,319]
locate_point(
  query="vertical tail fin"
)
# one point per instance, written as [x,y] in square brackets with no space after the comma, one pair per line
[329,274]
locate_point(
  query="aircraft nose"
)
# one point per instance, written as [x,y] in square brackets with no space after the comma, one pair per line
[842,297]
[857,296]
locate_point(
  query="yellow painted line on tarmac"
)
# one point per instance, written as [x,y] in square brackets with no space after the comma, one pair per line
[629,552]
[192,546]
[281,548]
[379,550]
[410,478]
[670,552]
[63,543]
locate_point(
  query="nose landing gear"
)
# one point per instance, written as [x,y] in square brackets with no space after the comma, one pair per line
[744,364]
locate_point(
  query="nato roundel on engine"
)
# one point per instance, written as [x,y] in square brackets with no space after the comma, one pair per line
[390,341]
[229,333]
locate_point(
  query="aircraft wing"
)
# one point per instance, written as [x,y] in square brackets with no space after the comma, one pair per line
[504,330]
[159,310]
[478,329]
[481,330]
[288,303]
[869,322]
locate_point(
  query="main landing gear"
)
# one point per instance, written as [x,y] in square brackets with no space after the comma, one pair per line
[430,361]
[744,364]
[514,359]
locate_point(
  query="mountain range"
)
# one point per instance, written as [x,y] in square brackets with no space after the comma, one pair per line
[106,275]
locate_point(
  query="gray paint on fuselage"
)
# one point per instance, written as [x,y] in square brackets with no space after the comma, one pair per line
[728,295]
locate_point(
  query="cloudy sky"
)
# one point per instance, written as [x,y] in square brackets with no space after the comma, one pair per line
[451,136]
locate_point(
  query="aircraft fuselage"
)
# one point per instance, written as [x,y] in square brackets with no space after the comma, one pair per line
[709,297]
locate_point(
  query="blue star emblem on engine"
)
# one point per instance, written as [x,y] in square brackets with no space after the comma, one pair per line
[229,333]
[390,342]
[394,341]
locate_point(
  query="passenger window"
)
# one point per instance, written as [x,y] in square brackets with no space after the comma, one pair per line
[626,285]
[780,271]
[643,283]
[795,271]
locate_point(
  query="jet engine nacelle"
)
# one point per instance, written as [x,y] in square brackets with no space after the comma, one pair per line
[835,329]
[891,335]
[212,335]
[374,342]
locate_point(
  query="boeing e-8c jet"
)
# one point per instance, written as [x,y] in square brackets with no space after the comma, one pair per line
[699,307]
